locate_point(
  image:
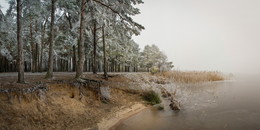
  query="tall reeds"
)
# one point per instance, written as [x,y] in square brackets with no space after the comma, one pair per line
[192,76]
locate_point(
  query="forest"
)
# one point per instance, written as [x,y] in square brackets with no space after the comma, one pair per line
[48,46]
[74,36]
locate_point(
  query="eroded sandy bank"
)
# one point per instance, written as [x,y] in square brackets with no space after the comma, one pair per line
[122,114]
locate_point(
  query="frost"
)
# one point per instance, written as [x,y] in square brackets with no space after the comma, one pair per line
[105,93]
[6,53]
[25,90]
[12,93]
[112,15]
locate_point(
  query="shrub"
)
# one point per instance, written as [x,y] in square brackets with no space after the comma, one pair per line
[154,70]
[151,97]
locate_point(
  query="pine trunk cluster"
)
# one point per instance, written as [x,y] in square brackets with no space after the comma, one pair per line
[103,34]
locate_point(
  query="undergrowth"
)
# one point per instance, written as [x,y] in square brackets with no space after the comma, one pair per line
[151,97]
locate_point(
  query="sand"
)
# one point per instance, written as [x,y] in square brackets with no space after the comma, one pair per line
[122,114]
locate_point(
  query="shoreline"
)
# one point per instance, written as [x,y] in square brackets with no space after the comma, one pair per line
[68,99]
[114,119]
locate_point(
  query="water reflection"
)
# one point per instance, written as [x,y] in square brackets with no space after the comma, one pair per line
[219,105]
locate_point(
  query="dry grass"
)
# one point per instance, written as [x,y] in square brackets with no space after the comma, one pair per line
[193,76]
[64,105]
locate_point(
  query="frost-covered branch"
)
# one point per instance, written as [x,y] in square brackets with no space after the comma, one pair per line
[124,18]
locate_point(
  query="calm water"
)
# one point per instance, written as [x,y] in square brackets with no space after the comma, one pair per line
[220,105]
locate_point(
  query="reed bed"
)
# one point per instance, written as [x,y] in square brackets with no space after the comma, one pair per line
[193,76]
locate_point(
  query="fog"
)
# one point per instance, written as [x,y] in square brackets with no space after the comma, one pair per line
[218,35]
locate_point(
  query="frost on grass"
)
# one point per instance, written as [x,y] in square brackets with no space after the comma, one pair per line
[38,91]
[4,52]
[94,85]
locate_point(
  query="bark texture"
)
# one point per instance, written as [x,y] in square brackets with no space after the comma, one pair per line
[20,44]
[95,49]
[81,49]
[104,51]
[50,61]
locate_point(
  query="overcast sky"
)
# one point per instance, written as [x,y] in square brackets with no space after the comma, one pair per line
[4,5]
[221,35]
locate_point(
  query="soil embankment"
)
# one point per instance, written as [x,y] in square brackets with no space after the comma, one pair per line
[64,103]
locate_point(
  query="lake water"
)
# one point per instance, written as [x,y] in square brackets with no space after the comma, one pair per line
[220,105]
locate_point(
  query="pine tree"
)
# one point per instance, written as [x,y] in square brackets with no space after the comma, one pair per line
[103,36]
[49,73]
[20,44]
[81,49]
[104,52]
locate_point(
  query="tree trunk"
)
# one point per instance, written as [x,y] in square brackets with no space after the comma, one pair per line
[104,51]
[51,38]
[81,48]
[95,49]
[74,59]
[37,58]
[20,44]
[32,48]
[42,45]
[32,44]
[36,50]
[90,64]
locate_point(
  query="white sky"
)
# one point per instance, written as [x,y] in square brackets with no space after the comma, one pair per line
[4,5]
[221,35]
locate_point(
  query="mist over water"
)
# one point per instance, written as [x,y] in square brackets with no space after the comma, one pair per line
[219,105]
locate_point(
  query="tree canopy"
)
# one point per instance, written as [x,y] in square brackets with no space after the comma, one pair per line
[106,27]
